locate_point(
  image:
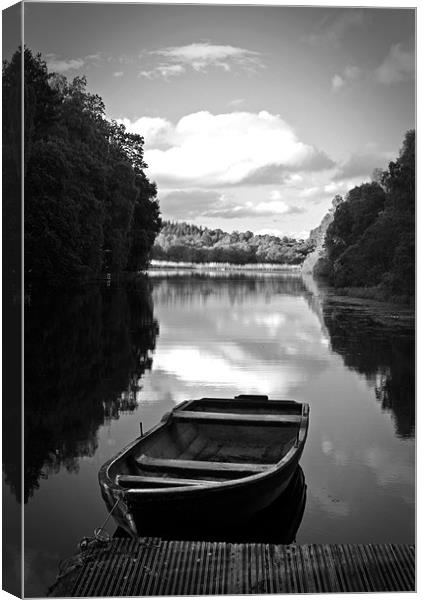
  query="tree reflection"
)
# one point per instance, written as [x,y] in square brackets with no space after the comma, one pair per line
[381,350]
[185,287]
[85,352]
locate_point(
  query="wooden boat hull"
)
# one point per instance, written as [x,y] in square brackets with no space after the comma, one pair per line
[215,503]
[277,524]
[214,506]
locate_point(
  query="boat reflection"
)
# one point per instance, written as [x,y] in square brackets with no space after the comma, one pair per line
[277,524]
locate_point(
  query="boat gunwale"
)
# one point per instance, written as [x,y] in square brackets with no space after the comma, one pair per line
[114,487]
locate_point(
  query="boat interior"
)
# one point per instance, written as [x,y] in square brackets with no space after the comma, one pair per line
[209,443]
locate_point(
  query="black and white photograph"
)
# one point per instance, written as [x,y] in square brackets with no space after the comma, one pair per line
[208,299]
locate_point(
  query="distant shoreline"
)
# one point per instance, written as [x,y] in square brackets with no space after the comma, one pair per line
[215,266]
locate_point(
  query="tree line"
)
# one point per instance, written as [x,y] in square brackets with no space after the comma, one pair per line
[371,240]
[180,241]
[89,207]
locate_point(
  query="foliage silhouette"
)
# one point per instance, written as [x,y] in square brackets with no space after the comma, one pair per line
[89,207]
[371,241]
[85,351]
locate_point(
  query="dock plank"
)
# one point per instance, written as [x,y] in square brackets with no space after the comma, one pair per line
[154,567]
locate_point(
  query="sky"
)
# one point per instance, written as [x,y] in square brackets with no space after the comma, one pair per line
[254,117]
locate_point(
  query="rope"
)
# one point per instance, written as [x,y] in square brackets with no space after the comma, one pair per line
[98,537]
[108,516]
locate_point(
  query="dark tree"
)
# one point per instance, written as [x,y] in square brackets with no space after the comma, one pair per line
[89,207]
[371,240]
[361,208]
[146,223]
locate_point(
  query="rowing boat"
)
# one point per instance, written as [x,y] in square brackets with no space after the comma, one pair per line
[211,460]
[278,523]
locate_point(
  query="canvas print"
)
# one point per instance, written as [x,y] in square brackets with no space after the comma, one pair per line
[209,284]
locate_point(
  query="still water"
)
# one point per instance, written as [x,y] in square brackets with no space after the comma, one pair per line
[100,360]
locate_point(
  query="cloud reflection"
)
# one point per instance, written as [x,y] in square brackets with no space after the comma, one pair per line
[391,470]
[251,347]
[196,365]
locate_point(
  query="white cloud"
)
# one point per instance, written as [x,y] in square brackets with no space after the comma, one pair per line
[337,82]
[294,179]
[343,186]
[236,102]
[398,66]
[330,31]
[155,130]
[118,74]
[274,207]
[189,204]
[309,192]
[362,165]
[211,167]
[205,203]
[225,149]
[278,174]
[200,57]
[335,187]
[228,208]
[97,57]
[350,73]
[270,231]
[123,59]
[163,71]
[299,235]
[58,65]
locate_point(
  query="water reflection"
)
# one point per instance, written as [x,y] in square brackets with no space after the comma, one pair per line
[382,348]
[184,287]
[287,337]
[235,334]
[252,332]
[85,353]
[95,366]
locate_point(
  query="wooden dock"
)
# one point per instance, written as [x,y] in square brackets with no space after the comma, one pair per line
[154,567]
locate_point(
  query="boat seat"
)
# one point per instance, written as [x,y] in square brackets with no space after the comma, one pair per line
[200,465]
[258,419]
[244,407]
[146,481]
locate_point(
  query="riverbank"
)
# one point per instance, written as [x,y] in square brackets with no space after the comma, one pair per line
[219,266]
[375,293]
